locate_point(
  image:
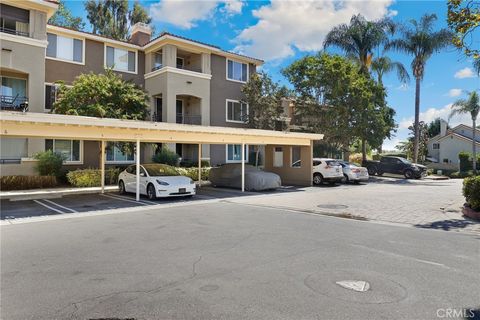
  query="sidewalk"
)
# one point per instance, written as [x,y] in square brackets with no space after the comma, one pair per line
[51,193]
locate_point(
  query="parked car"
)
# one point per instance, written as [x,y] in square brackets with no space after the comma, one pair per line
[353,173]
[397,165]
[156,181]
[326,170]
[230,175]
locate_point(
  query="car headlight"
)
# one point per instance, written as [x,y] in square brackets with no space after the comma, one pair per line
[162,183]
[191,181]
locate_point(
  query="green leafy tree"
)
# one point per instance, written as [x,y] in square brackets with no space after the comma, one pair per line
[469,106]
[434,128]
[408,147]
[112,18]
[420,41]
[63,17]
[334,97]
[463,19]
[382,65]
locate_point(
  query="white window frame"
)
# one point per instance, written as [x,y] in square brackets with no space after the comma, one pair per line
[436,146]
[105,45]
[183,63]
[119,161]
[236,161]
[57,86]
[80,161]
[291,157]
[226,111]
[237,61]
[66,60]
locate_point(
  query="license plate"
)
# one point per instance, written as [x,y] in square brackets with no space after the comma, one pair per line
[338,170]
[182,190]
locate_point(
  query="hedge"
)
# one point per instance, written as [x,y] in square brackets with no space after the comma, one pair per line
[466,161]
[192,173]
[471,191]
[26,182]
[91,177]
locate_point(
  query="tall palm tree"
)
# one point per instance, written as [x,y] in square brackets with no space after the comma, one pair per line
[358,40]
[471,106]
[383,65]
[420,41]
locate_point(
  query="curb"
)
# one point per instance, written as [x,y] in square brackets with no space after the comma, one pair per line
[50,193]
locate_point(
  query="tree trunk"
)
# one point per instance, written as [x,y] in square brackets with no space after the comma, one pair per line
[417,120]
[474,148]
[364,150]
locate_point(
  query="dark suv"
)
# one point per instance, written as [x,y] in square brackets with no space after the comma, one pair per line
[397,165]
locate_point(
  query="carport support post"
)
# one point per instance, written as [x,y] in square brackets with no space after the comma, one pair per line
[199,165]
[102,166]
[243,167]
[138,170]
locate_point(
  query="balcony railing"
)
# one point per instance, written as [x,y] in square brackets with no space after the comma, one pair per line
[15,32]
[189,119]
[14,103]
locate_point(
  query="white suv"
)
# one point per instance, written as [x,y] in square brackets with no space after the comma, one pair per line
[326,170]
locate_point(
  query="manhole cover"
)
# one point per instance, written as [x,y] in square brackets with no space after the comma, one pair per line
[359,286]
[332,206]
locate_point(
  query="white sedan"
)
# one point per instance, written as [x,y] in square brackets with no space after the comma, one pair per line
[156,181]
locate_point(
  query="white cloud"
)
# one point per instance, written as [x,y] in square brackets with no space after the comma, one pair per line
[464,73]
[286,25]
[433,113]
[186,13]
[454,92]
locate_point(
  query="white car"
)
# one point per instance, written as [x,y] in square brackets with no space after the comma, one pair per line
[353,173]
[156,181]
[326,170]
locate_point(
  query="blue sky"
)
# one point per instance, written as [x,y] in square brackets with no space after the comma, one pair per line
[281,31]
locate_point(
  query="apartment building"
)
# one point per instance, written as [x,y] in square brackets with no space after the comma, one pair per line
[187,81]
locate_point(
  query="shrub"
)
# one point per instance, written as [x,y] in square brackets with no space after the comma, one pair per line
[465,163]
[191,163]
[92,177]
[192,173]
[471,191]
[355,158]
[166,156]
[49,163]
[27,182]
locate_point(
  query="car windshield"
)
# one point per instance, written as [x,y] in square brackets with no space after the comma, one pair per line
[332,163]
[405,160]
[155,170]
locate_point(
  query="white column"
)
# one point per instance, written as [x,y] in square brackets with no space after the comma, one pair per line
[138,170]
[243,167]
[102,166]
[199,165]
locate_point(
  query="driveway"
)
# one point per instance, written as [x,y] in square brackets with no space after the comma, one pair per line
[227,260]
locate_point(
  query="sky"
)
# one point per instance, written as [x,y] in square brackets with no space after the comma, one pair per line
[282,31]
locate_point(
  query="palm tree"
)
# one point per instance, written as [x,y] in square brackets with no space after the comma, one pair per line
[420,41]
[358,40]
[383,65]
[476,66]
[472,106]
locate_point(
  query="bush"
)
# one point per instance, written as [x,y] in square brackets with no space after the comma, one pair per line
[92,177]
[355,158]
[192,173]
[166,156]
[27,182]
[465,163]
[471,191]
[191,163]
[49,163]
[460,174]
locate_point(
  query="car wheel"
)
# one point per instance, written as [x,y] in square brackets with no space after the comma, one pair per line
[345,179]
[317,179]
[408,174]
[380,173]
[372,170]
[151,194]
[356,182]
[121,187]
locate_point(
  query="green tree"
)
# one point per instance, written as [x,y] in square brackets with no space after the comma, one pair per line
[334,97]
[112,18]
[383,65]
[434,128]
[63,17]
[463,19]
[469,106]
[408,147]
[420,41]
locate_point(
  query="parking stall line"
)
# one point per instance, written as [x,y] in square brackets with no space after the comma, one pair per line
[126,199]
[60,206]
[48,207]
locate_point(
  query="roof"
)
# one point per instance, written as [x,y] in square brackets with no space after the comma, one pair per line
[459,136]
[159,38]
[56,126]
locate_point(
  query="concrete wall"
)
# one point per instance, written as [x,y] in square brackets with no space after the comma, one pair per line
[451,147]
[94,62]
[291,176]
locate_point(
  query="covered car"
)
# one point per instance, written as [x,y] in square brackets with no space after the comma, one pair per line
[230,175]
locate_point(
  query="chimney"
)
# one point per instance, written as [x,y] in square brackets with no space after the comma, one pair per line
[141,33]
[443,128]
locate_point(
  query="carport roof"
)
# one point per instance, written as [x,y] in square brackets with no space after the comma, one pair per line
[55,126]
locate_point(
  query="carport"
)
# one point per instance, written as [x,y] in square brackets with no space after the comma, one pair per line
[282,148]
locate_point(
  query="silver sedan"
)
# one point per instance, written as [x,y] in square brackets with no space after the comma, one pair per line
[354,173]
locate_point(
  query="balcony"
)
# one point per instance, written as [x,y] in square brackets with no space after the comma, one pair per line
[189,119]
[14,103]
[14,20]
[15,32]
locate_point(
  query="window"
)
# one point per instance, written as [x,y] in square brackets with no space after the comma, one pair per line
[120,59]
[14,20]
[14,87]
[51,91]
[296,156]
[278,157]
[237,71]
[234,153]
[120,152]
[436,146]
[157,61]
[13,148]
[64,48]
[70,149]
[180,63]
[236,111]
